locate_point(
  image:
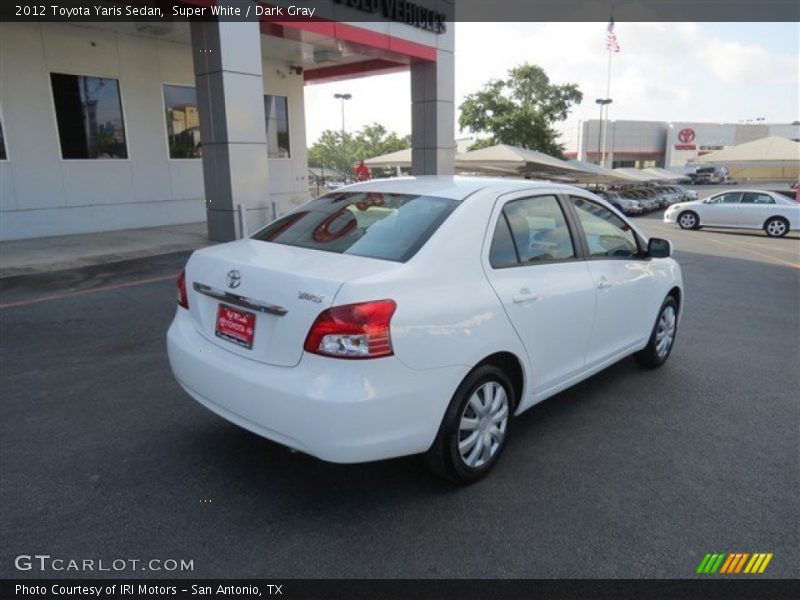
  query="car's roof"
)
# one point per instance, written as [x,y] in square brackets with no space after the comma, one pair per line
[451,186]
[776,195]
[457,187]
[745,191]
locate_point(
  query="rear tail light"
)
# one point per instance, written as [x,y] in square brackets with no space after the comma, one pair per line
[353,331]
[183,299]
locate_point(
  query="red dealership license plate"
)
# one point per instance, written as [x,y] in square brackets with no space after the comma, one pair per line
[234,325]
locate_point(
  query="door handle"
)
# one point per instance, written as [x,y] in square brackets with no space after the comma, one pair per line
[525,295]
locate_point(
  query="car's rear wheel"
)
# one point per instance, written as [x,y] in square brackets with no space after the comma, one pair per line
[662,337]
[473,432]
[776,227]
[688,220]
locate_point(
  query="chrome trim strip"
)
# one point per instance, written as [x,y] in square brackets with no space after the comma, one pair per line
[240,301]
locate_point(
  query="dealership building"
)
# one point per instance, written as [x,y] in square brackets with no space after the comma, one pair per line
[674,145]
[119,125]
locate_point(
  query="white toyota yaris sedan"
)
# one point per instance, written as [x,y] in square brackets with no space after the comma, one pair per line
[419,315]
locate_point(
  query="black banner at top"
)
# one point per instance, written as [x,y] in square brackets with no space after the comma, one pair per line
[430,15]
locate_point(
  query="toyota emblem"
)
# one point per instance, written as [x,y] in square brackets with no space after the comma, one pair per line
[686,135]
[233,279]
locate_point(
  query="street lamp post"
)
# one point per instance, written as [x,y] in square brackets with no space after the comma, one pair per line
[599,128]
[343,97]
[602,102]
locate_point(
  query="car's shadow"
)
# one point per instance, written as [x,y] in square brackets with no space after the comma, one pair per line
[259,468]
[752,233]
[245,459]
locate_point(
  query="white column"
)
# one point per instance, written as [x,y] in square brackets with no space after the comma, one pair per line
[230,97]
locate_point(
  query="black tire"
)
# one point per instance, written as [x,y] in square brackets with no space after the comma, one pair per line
[651,355]
[776,227]
[443,457]
[688,219]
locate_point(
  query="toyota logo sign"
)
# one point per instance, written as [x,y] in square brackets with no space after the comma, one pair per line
[686,136]
[233,279]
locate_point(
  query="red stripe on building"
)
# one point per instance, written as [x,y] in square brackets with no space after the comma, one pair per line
[390,53]
[618,153]
[412,49]
[325,28]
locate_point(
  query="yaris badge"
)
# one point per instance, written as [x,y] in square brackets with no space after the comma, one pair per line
[310,297]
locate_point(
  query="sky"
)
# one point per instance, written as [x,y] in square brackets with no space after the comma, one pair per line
[715,72]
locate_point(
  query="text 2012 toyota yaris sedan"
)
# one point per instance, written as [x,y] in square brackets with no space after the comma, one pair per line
[419,315]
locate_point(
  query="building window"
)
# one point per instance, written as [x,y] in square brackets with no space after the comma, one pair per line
[3,155]
[183,121]
[89,116]
[276,109]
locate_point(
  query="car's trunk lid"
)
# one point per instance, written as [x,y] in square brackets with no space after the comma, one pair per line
[283,288]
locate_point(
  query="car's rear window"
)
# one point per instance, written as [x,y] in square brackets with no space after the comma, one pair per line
[375,225]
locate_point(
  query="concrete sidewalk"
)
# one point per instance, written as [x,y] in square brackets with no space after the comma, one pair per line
[40,255]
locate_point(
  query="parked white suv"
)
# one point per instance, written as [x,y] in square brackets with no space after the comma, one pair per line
[419,315]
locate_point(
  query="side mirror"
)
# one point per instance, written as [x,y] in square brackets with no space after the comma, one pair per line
[659,248]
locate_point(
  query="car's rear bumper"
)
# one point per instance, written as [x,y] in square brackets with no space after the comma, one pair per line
[338,410]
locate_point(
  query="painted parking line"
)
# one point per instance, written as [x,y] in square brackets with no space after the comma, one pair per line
[88,292]
[794,251]
[764,244]
[753,252]
[745,245]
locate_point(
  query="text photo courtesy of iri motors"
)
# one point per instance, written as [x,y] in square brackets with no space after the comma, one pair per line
[387,299]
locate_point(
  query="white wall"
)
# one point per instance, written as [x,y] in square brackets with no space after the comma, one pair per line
[657,136]
[789,131]
[288,177]
[42,195]
[623,138]
[714,136]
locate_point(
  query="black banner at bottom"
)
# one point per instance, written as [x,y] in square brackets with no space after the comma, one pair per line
[390,589]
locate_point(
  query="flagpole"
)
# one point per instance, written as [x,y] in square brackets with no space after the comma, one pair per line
[608,95]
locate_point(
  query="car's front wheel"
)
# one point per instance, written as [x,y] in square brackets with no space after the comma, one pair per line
[662,337]
[688,220]
[473,432]
[776,227]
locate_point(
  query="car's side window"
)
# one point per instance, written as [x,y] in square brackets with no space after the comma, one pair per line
[502,253]
[606,234]
[539,229]
[731,198]
[753,198]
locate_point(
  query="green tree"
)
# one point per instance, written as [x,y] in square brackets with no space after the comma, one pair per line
[519,110]
[372,140]
[327,151]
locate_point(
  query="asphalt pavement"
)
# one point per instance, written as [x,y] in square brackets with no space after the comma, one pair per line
[632,473]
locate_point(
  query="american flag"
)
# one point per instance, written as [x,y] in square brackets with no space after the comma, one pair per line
[611,37]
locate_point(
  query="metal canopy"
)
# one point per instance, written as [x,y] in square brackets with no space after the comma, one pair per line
[598,174]
[401,158]
[520,161]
